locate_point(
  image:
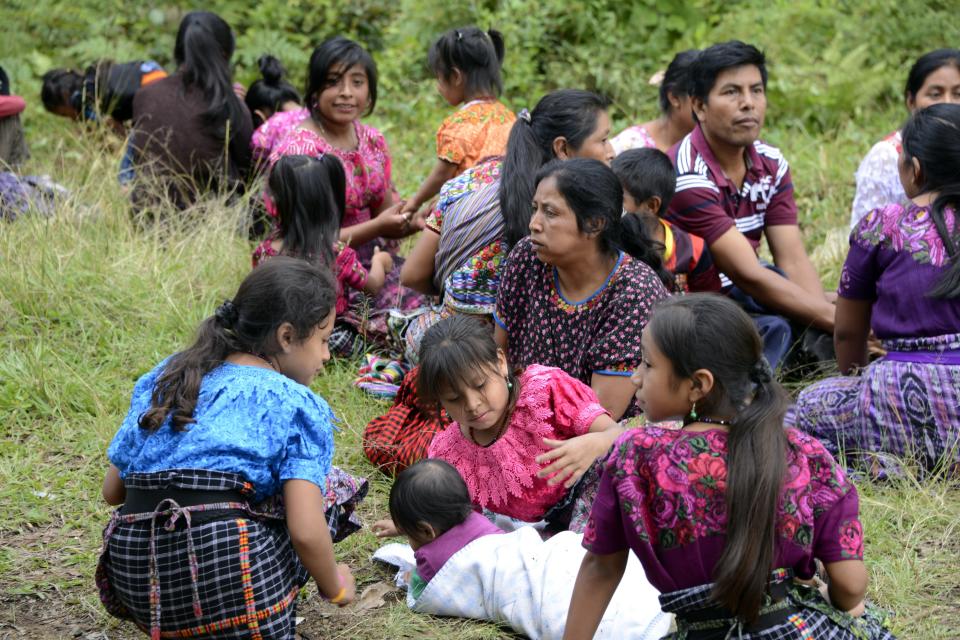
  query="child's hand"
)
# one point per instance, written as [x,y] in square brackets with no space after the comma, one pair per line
[349,583]
[858,610]
[571,458]
[384,258]
[384,529]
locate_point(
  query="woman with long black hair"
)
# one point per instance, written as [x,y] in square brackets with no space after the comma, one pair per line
[191,131]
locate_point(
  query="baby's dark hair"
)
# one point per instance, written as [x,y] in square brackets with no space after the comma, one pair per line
[676,79]
[310,196]
[645,173]
[331,52]
[59,87]
[280,290]
[452,352]
[431,492]
[270,91]
[709,331]
[477,54]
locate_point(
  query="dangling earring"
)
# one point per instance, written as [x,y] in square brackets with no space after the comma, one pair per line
[693,412]
[509,384]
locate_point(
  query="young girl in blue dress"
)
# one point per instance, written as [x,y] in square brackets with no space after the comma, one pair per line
[215,436]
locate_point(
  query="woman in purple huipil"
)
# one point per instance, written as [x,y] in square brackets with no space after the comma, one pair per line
[902,279]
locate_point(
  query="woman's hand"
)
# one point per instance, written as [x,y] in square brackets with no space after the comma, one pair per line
[384,529]
[391,223]
[571,458]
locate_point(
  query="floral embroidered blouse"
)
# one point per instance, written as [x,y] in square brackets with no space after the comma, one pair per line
[896,255]
[878,179]
[269,134]
[635,137]
[347,269]
[662,495]
[476,131]
[600,334]
[503,476]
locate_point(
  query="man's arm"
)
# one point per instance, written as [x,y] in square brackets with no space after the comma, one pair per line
[786,245]
[735,257]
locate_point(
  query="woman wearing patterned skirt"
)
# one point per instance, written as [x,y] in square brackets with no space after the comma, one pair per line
[902,279]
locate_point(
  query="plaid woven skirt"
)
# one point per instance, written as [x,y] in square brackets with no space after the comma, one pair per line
[811,618]
[894,410]
[402,436]
[235,576]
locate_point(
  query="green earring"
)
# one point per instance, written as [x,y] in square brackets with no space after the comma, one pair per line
[693,412]
[509,384]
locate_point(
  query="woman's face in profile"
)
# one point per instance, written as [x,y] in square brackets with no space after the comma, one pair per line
[553,226]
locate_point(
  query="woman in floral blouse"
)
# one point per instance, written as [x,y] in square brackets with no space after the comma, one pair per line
[902,280]
[725,512]
[934,78]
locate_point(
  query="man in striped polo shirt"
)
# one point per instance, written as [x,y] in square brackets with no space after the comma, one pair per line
[732,189]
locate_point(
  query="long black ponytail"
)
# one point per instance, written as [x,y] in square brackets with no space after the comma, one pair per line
[932,136]
[567,113]
[709,331]
[310,194]
[594,194]
[202,51]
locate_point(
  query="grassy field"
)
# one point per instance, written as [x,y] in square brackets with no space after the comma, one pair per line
[88,304]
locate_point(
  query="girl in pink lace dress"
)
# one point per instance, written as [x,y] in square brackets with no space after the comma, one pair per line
[309,194]
[507,426]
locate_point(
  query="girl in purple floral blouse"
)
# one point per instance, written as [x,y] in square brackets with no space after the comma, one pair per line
[725,512]
[901,279]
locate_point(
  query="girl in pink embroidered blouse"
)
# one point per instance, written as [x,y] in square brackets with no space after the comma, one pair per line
[724,512]
[507,427]
[342,87]
[309,196]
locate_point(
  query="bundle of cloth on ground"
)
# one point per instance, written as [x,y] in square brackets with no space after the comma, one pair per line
[529,586]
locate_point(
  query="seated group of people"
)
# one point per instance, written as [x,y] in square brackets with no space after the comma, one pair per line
[560,283]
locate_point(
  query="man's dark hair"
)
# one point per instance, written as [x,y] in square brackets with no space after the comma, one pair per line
[721,57]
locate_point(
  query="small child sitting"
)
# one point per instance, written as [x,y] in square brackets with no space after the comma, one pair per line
[430,505]
[649,181]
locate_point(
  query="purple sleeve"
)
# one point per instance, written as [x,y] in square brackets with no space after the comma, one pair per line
[783,207]
[837,532]
[605,533]
[858,280]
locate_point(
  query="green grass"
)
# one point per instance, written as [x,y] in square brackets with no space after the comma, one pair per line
[87,304]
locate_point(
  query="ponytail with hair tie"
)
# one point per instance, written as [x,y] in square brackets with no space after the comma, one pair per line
[762,373]
[525,116]
[227,314]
